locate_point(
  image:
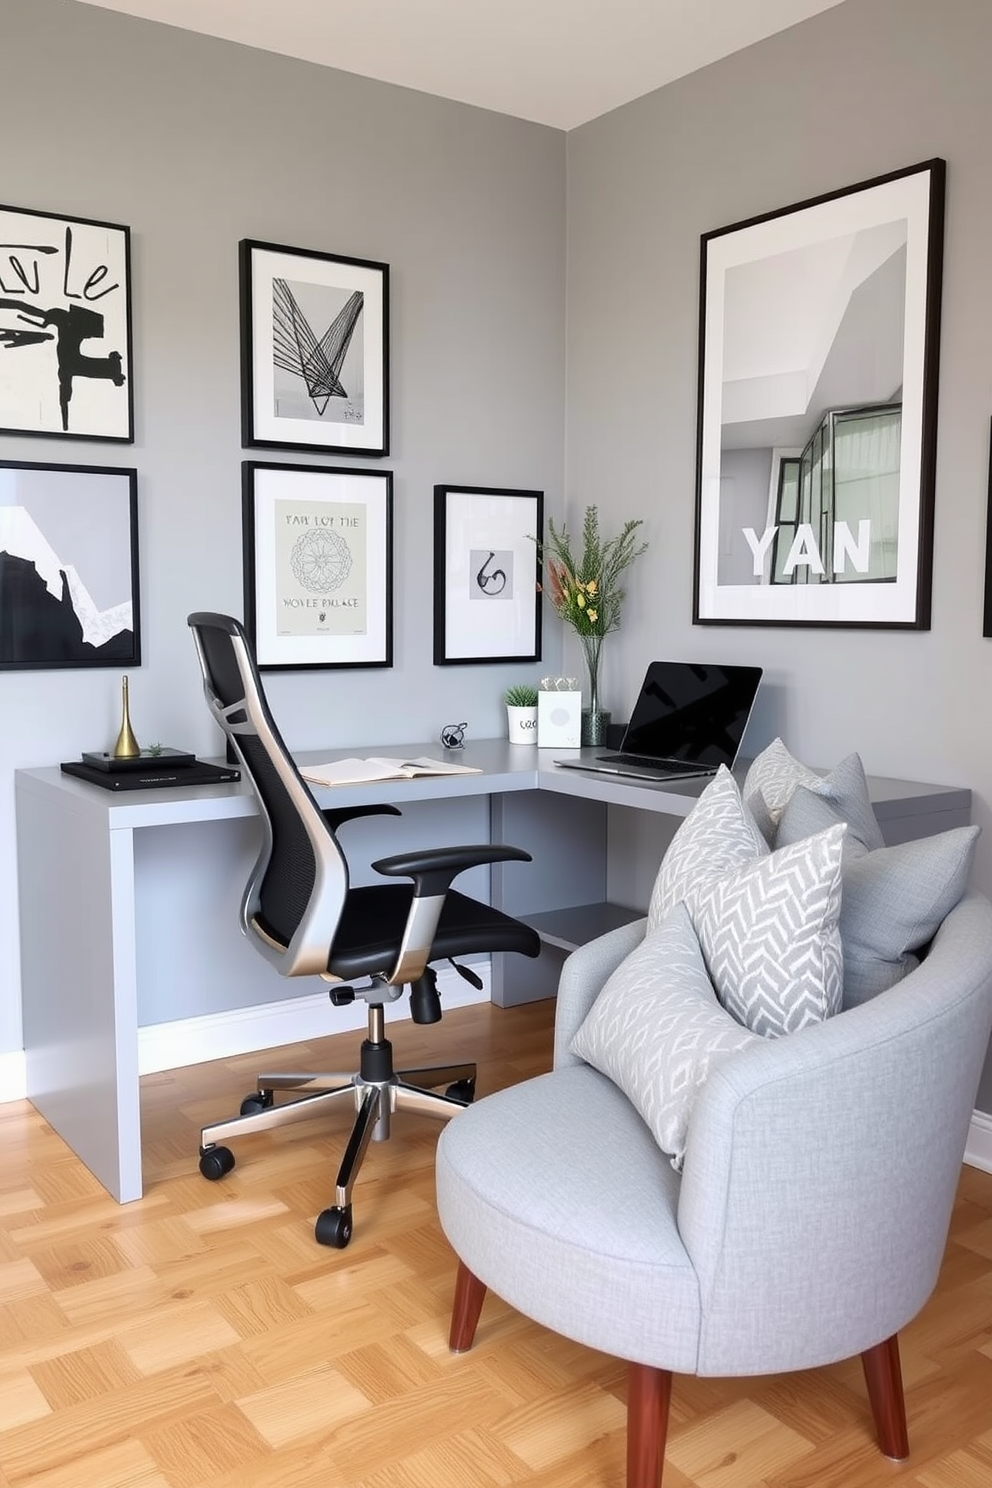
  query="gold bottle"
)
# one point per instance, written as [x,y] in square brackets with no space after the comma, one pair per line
[127,746]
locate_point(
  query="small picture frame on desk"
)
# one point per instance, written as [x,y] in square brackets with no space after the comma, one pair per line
[318,565]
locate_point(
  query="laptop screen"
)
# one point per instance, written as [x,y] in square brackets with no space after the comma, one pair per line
[692,712]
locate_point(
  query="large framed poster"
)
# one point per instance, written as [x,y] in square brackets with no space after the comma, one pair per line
[819,336]
[318,565]
[65,327]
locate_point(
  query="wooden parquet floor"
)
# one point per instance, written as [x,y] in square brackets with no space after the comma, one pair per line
[200,1338]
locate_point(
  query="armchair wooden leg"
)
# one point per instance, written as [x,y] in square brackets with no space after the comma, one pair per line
[883,1377]
[649,1393]
[470,1293]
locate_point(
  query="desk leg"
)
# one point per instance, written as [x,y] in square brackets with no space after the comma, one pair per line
[76,882]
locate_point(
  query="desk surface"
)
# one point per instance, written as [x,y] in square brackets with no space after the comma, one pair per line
[503,767]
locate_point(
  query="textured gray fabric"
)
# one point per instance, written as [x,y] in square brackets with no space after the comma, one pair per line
[770,935]
[585,971]
[774,779]
[657,1030]
[812,1213]
[848,801]
[893,901]
[821,1169]
[556,1195]
[719,834]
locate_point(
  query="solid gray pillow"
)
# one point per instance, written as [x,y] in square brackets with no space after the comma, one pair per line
[657,1030]
[807,813]
[894,900]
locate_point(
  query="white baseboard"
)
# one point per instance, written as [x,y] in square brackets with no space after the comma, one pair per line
[164,1046]
[978,1152]
[13,1076]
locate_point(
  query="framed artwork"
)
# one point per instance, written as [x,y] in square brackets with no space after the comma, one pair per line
[68,566]
[318,559]
[987,618]
[65,327]
[314,351]
[817,419]
[487,600]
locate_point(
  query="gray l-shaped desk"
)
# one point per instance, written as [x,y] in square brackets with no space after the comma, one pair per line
[98,872]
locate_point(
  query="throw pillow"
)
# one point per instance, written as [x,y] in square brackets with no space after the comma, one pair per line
[657,1030]
[894,901]
[807,814]
[718,834]
[770,935]
[774,775]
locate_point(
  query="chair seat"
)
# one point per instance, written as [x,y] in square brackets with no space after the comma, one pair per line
[558,1177]
[374,917]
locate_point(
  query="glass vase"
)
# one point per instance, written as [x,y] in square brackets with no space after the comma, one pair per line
[595,720]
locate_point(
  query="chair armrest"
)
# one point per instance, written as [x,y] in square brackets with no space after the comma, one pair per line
[432,869]
[582,979]
[336,816]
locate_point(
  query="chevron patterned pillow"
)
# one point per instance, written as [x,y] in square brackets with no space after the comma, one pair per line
[770,935]
[719,834]
[657,1030]
[774,774]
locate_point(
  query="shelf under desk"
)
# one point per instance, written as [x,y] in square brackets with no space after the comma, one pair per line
[86,858]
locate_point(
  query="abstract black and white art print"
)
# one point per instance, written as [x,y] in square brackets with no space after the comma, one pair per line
[487,601]
[65,327]
[315,352]
[819,345]
[68,566]
[318,565]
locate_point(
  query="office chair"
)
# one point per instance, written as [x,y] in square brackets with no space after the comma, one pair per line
[299,911]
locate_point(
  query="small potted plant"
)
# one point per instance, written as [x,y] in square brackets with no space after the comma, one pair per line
[521,713]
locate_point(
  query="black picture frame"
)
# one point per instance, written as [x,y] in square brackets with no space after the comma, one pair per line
[487,600]
[987,616]
[318,565]
[817,410]
[69,591]
[314,351]
[65,327]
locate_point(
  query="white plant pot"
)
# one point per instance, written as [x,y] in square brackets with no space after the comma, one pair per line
[521,725]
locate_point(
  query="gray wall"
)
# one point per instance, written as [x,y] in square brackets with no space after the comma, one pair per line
[867,87]
[196,143]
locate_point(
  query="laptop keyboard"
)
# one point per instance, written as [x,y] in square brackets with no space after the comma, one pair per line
[645,761]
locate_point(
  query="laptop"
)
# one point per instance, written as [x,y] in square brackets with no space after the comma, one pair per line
[689,719]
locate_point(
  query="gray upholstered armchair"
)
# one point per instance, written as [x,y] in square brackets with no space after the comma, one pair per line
[807,1224]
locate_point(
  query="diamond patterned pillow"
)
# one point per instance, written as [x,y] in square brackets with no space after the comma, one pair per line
[718,834]
[770,935]
[657,1030]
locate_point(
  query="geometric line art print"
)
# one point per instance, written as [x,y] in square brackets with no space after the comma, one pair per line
[297,350]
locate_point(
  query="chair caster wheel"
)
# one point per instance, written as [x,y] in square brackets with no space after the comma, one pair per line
[462,1090]
[257,1101]
[216,1162]
[333,1227]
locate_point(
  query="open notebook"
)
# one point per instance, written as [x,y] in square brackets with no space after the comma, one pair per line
[379,767]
